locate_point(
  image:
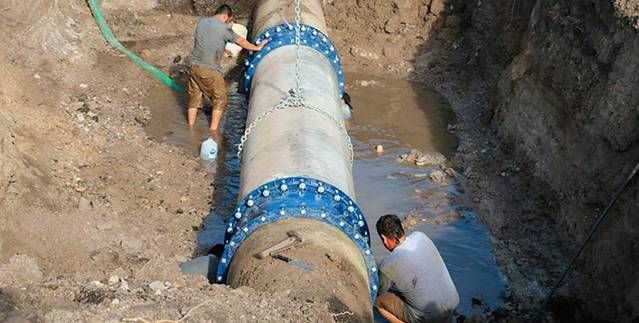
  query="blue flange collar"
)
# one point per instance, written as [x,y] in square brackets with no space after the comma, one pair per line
[284,35]
[298,197]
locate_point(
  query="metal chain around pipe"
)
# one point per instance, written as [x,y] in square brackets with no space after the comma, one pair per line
[293,101]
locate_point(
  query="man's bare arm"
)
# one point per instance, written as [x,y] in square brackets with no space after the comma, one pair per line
[242,42]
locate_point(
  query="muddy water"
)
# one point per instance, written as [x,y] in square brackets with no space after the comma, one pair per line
[168,120]
[398,115]
[168,125]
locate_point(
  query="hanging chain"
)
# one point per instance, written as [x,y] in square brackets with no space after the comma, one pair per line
[298,48]
[294,102]
[295,99]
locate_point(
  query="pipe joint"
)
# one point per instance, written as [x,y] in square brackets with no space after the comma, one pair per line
[298,197]
[284,35]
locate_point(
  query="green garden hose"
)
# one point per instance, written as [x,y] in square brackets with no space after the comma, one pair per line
[110,38]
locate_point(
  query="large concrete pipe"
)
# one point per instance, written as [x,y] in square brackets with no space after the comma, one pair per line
[296,173]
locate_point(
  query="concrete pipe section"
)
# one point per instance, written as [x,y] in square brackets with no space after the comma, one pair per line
[297,197]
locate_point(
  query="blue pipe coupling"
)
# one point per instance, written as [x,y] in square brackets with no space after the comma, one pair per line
[284,35]
[298,197]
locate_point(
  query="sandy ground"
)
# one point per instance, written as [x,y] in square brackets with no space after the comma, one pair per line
[94,216]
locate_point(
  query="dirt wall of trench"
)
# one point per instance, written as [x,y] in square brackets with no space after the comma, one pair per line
[559,91]
[565,99]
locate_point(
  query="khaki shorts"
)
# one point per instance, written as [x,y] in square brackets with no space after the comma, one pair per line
[392,303]
[396,305]
[209,82]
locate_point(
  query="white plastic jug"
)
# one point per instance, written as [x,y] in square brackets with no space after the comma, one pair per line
[208,151]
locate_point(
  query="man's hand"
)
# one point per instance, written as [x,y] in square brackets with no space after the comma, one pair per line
[242,42]
[261,44]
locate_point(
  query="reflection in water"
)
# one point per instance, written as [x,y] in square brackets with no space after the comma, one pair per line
[396,114]
[168,120]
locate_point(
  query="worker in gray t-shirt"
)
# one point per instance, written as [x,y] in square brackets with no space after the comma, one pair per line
[211,36]
[415,285]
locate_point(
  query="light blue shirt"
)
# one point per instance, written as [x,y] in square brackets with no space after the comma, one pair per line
[417,273]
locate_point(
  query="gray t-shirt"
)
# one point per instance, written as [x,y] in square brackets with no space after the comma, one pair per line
[211,36]
[417,273]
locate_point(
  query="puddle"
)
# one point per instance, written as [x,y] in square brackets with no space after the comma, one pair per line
[151,43]
[399,115]
[168,120]
[402,113]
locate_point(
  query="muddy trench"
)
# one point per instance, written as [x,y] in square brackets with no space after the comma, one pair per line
[400,116]
[450,31]
[530,108]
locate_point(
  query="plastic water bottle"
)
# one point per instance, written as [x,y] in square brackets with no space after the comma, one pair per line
[208,153]
[346,111]
[208,150]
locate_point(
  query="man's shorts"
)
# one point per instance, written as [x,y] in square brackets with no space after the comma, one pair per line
[209,82]
[393,304]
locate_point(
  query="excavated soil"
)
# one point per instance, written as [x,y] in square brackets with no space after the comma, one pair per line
[96,215]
